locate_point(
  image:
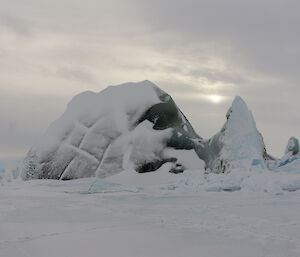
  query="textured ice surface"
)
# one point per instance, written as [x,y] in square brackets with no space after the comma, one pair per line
[292,146]
[290,162]
[237,145]
[103,133]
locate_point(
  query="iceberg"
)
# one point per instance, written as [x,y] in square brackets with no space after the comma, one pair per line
[238,145]
[101,134]
[291,154]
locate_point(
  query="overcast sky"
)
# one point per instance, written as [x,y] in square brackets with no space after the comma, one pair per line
[203,53]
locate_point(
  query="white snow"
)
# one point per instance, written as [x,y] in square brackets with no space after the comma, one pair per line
[239,140]
[93,123]
[114,104]
[183,217]
[288,163]
[188,158]
[146,143]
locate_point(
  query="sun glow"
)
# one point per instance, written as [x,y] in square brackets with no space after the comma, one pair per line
[215,98]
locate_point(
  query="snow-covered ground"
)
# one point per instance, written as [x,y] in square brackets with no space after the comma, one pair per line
[155,214]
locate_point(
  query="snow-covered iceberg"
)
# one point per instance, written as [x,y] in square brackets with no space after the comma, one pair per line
[290,161]
[133,125]
[238,145]
[292,146]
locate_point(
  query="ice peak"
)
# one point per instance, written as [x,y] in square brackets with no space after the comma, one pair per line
[239,117]
[239,114]
[292,146]
[239,106]
[146,83]
[238,98]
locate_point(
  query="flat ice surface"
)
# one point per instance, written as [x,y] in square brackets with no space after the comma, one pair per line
[93,217]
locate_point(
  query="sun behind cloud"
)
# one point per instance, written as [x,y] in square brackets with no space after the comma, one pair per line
[215,98]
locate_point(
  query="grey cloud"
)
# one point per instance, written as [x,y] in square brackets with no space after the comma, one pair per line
[2,52]
[78,74]
[217,76]
[257,42]
[16,24]
[24,124]
[262,35]
[175,87]
[12,126]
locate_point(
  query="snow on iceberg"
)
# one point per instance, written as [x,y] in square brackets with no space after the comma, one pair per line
[125,126]
[238,145]
[290,162]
